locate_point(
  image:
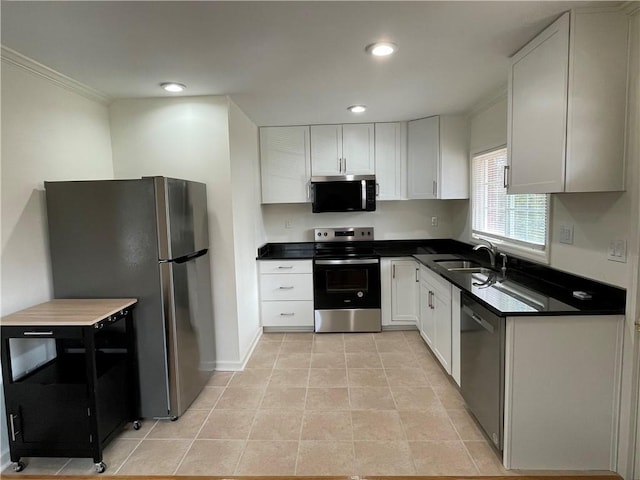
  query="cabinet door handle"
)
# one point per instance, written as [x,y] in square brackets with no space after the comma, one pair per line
[345,165]
[435,188]
[417,274]
[285,288]
[287,314]
[505,176]
[339,165]
[393,271]
[430,299]
[377,189]
[37,334]
[12,418]
[309,191]
[285,267]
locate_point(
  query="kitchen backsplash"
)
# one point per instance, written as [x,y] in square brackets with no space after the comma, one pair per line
[392,220]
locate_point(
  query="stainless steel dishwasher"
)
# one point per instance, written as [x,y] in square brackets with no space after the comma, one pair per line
[482,366]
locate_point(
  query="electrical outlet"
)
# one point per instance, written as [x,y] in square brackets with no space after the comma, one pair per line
[434,221]
[617,251]
[288,223]
[566,234]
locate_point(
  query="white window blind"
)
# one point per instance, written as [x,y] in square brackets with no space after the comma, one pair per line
[519,219]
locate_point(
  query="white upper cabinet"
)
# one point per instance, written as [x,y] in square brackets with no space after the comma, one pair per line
[285,163]
[390,150]
[567,97]
[438,158]
[342,149]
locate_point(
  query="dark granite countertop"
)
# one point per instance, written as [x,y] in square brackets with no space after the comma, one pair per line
[527,288]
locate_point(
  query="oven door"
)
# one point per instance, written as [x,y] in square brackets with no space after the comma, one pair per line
[346,283]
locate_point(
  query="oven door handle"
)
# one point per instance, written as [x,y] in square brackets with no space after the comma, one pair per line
[476,318]
[351,261]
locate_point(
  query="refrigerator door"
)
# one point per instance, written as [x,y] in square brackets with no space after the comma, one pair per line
[186,285]
[103,239]
[190,331]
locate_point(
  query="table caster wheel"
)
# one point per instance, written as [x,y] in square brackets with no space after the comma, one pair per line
[100,467]
[137,425]
[18,466]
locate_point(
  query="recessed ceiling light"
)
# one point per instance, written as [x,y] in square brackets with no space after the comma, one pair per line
[173,87]
[381,49]
[357,108]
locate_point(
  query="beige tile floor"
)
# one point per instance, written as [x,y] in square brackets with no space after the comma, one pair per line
[307,404]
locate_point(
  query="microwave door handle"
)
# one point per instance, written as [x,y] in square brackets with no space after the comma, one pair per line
[363,183]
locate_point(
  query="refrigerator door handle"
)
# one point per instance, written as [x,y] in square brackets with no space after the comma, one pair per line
[186,258]
[190,256]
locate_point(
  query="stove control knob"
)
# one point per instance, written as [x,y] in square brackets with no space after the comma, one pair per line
[360,294]
[319,234]
[325,234]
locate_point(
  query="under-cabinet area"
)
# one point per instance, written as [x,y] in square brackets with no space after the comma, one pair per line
[74,403]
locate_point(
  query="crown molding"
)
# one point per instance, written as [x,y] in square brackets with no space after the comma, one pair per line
[14,58]
[630,8]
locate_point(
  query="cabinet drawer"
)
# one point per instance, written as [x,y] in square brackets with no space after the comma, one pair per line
[287,314]
[297,286]
[285,266]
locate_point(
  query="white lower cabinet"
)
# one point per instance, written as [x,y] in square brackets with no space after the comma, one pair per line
[562,384]
[435,315]
[400,291]
[286,293]
[289,313]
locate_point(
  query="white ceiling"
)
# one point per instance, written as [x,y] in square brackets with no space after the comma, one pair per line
[285,63]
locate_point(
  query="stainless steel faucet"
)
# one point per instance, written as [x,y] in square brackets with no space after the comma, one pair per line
[491,250]
[504,264]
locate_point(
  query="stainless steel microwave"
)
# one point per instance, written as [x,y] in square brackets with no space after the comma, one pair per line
[345,193]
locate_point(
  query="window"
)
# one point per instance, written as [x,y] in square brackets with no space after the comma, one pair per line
[519,220]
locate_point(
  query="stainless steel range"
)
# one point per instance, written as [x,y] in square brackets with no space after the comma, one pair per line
[346,281]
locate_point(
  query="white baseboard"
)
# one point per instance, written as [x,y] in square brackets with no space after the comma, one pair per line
[238,365]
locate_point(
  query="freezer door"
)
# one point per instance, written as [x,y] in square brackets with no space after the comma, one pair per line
[190,329]
[182,217]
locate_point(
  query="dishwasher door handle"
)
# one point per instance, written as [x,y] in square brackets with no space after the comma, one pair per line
[478,319]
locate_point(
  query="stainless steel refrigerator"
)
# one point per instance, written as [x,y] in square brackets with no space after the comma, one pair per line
[146,238]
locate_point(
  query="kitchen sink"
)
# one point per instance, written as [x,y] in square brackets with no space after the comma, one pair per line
[461,266]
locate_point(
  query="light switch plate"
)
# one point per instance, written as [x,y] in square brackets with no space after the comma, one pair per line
[617,251]
[566,234]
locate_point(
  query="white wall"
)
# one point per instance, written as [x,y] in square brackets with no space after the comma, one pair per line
[392,220]
[188,137]
[248,230]
[48,133]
